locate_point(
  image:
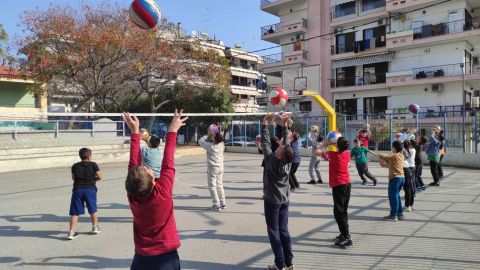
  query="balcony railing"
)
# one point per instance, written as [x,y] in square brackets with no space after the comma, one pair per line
[442,71]
[279,27]
[430,30]
[266,2]
[360,46]
[360,7]
[367,79]
[273,58]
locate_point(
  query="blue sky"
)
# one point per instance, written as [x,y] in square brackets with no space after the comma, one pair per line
[233,21]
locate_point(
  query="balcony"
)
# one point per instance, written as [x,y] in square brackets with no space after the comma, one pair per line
[359,48]
[397,5]
[274,6]
[401,37]
[355,12]
[357,83]
[273,33]
[433,74]
[281,59]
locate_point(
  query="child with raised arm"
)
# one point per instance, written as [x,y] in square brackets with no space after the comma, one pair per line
[364,135]
[215,151]
[151,202]
[276,194]
[340,182]
[316,140]
[359,153]
[394,163]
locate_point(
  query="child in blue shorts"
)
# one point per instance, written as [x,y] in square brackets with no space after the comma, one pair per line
[85,174]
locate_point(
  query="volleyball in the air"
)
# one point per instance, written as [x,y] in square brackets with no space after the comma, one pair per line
[413,108]
[314,128]
[436,129]
[144,13]
[214,129]
[144,134]
[333,136]
[278,97]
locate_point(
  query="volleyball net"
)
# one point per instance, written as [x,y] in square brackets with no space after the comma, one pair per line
[239,129]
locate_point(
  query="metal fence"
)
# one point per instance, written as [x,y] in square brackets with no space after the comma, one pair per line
[461,129]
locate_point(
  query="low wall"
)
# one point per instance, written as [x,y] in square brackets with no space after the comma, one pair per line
[454,159]
[51,157]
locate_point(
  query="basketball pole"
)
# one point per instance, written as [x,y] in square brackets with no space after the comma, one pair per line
[327,108]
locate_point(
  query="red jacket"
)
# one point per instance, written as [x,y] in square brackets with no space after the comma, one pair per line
[337,167]
[154,228]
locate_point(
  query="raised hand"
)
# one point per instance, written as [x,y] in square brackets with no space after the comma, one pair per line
[286,120]
[177,121]
[269,117]
[132,122]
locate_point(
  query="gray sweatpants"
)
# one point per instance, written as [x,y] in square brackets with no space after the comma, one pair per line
[313,168]
[215,185]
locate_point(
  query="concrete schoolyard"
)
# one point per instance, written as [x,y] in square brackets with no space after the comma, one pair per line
[443,231]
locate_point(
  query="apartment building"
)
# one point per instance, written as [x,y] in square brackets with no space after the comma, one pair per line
[387,54]
[377,56]
[299,64]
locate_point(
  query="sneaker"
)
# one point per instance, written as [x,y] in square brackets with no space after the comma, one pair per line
[320,181]
[434,184]
[72,235]
[408,209]
[339,237]
[223,207]
[274,267]
[293,190]
[312,182]
[364,182]
[401,217]
[95,229]
[374,183]
[290,267]
[215,207]
[344,242]
[390,218]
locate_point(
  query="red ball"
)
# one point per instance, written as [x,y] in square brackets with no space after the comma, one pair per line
[278,97]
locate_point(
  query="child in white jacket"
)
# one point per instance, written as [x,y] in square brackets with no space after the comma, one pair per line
[213,143]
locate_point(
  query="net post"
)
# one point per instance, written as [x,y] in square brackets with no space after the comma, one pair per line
[56,129]
[390,127]
[15,130]
[476,131]
[93,129]
[445,131]
[245,132]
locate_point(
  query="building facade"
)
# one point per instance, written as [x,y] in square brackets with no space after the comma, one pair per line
[385,54]
[15,98]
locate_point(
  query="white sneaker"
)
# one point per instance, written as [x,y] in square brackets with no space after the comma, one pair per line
[72,235]
[223,207]
[408,209]
[274,267]
[95,229]
[215,207]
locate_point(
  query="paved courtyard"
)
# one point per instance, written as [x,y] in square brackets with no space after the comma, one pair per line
[443,231]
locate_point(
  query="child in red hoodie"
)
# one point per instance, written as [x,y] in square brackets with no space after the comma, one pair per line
[339,181]
[151,202]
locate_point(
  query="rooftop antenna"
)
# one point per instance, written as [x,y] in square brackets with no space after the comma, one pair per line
[206,18]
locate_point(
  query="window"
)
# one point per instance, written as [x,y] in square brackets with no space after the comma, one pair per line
[346,106]
[374,73]
[244,64]
[344,9]
[244,96]
[375,105]
[476,93]
[243,81]
[235,80]
[345,42]
[305,106]
[345,77]
[372,4]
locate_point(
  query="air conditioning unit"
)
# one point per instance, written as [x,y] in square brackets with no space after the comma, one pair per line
[476,102]
[437,87]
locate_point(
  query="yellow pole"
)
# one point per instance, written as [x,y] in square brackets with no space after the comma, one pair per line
[332,116]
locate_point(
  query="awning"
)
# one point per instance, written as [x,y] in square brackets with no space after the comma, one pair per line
[339,2]
[358,61]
